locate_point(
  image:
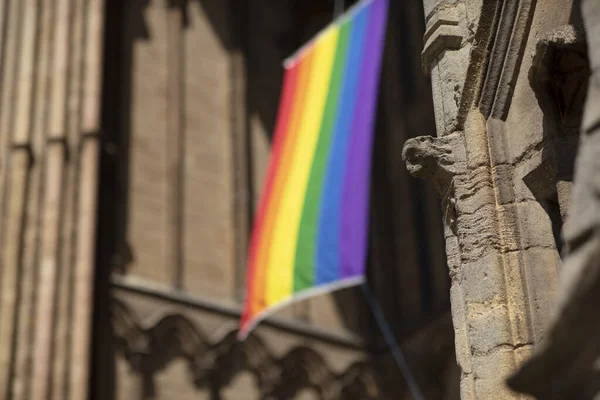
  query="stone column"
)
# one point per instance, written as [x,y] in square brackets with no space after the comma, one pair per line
[50,75]
[500,244]
[568,358]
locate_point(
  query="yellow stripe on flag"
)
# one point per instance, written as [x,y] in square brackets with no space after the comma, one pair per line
[280,267]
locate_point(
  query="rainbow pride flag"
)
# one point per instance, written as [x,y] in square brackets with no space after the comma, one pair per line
[310,231]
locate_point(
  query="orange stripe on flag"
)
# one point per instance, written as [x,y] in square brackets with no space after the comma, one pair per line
[295,81]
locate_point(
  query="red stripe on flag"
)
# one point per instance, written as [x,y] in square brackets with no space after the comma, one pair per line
[288,95]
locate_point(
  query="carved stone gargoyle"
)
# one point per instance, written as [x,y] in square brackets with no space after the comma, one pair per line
[438,160]
[434,159]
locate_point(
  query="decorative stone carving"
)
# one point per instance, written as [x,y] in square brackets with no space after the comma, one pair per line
[436,159]
[215,363]
[500,241]
[439,160]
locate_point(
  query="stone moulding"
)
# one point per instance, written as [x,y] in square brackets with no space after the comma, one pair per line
[214,362]
[494,41]
[500,245]
[565,365]
[505,57]
[443,32]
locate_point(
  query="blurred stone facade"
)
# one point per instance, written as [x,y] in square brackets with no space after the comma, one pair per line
[133,141]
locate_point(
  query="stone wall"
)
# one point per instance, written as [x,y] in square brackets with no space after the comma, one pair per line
[572,341]
[506,80]
[50,74]
[175,217]
[133,140]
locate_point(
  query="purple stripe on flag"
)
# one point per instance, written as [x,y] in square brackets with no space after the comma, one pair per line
[355,200]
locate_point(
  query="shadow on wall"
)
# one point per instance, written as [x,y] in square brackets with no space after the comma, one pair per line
[274,37]
[559,78]
[408,271]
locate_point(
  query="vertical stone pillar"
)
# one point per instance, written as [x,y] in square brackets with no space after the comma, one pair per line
[14,170]
[50,70]
[175,141]
[500,245]
[88,148]
[570,354]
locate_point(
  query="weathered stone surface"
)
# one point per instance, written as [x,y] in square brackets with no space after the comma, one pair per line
[490,371]
[541,287]
[535,226]
[483,280]
[502,208]
[474,190]
[478,233]
[519,299]
[461,333]
[489,328]
[565,364]
[438,159]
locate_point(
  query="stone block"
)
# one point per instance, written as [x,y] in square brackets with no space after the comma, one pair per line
[508,228]
[493,365]
[517,299]
[535,226]
[505,190]
[490,373]
[497,141]
[521,188]
[461,338]
[478,232]
[438,95]
[453,258]
[483,280]
[474,190]
[541,180]
[541,277]
[523,353]
[564,189]
[451,69]
[467,387]
[430,5]
[476,140]
[488,327]
[444,35]
[524,123]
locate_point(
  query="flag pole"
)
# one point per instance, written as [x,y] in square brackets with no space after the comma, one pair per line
[389,337]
